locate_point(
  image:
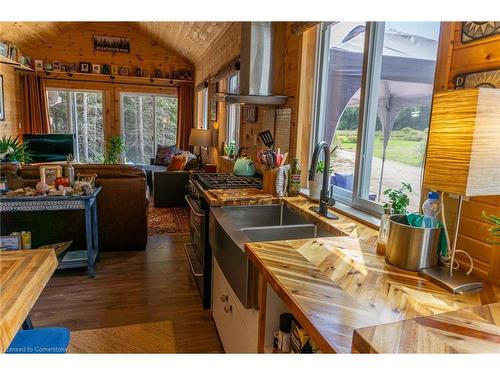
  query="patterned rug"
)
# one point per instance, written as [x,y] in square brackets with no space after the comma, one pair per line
[167,220]
[157,337]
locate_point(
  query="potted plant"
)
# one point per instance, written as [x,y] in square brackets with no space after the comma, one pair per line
[12,150]
[114,149]
[316,185]
[398,199]
[230,149]
[495,230]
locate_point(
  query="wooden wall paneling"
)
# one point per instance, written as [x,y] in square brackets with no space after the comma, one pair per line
[72,42]
[305,110]
[12,102]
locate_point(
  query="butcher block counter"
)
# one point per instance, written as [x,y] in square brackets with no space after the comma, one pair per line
[337,285]
[472,330]
[235,197]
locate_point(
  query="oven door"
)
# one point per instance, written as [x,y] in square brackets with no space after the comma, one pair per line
[195,248]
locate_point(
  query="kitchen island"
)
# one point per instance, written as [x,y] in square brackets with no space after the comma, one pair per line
[337,285]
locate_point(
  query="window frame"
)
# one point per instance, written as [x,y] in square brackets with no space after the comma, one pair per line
[122,119]
[204,108]
[237,109]
[370,80]
[71,118]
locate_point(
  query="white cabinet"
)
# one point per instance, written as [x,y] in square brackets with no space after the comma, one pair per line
[237,326]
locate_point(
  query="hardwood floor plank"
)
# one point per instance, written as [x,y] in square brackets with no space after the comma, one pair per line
[132,288]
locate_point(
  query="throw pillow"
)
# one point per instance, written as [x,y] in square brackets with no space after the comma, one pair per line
[164,154]
[178,162]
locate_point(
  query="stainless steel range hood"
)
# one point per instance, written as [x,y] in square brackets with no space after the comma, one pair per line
[261,57]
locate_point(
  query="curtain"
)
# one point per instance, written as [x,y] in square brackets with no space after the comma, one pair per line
[34,105]
[185,115]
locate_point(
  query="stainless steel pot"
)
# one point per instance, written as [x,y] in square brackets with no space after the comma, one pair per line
[410,247]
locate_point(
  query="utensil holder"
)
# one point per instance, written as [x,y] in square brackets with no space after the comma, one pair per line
[269,180]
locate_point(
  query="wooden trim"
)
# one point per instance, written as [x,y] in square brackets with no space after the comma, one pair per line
[261,339]
[110,79]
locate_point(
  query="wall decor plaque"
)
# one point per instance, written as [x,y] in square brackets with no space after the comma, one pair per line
[475,30]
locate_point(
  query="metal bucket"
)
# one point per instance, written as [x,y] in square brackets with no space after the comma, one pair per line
[410,247]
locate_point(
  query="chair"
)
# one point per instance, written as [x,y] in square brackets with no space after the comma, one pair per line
[51,340]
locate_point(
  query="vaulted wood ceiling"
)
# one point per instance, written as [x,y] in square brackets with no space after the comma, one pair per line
[190,40]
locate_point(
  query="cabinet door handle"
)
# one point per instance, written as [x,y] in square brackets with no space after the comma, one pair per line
[228,308]
[223,298]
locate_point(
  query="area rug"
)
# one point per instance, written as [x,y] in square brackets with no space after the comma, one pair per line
[168,220]
[157,337]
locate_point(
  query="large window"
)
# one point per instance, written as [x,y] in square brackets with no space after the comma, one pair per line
[147,121]
[233,112]
[203,108]
[79,113]
[375,84]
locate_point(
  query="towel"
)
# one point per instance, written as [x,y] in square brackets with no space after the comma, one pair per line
[417,220]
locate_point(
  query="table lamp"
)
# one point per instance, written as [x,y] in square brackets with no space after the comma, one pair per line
[463,158]
[200,138]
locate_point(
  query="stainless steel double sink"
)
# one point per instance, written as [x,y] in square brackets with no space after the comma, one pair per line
[233,226]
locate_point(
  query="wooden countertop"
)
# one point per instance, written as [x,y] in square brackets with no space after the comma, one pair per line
[338,284]
[472,330]
[23,275]
[235,197]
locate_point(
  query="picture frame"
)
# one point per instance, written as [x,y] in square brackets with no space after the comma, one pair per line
[49,173]
[56,66]
[96,68]
[38,64]
[84,67]
[137,72]
[11,242]
[64,68]
[124,71]
[107,43]
[47,66]
[2,104]
[73,67]
[105,69]
[114,69]
[484,78]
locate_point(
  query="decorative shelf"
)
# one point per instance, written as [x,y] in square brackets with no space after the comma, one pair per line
[14,63]
[108,78]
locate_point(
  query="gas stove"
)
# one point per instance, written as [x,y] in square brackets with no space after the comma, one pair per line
[226,181]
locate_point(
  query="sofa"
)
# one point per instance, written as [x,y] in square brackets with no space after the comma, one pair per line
[121,206]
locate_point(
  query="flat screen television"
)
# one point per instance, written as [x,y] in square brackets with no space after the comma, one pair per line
[49,147]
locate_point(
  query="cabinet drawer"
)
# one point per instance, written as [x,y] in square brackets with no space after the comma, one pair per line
[237,327]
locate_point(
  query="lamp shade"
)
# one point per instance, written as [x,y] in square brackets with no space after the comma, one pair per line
[464,142]
[200,137]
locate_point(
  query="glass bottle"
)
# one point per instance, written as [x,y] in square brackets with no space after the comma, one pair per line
[383,231]
[70,170]
[294,185]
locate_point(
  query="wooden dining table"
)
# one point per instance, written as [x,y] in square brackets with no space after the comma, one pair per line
[23,276]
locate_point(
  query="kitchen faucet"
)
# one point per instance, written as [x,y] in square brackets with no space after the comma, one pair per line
[325,199]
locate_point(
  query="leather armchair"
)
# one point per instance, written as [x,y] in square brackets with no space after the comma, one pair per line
[169,188]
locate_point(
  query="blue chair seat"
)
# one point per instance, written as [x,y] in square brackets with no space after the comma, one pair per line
[52,340]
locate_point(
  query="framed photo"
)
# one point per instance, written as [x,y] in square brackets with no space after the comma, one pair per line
[124,71]
[56,66]
[106,69]
[47,66]
[84,67]
[73,67]
[138,72]
[49,173]
[10,243]
[64,68]
[2,108]
[114,69]
[111,43]
[38,64]
[96,69]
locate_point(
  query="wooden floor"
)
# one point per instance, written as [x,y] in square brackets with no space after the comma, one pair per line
[131,288]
